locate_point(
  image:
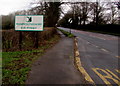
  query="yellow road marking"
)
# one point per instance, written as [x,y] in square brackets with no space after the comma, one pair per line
[113,74]
[82,70]
[105,77]
[77,53]
[100,75]
[109,74]
[79,65]
[117,70]
[76,44]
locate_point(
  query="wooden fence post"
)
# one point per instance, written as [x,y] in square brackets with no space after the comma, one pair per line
[36,40]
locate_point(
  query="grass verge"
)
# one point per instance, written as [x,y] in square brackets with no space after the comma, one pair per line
[16,65]
[102,32]
[66,33]
[109,33]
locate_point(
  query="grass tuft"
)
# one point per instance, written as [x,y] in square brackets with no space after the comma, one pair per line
[70,35]
[16,65]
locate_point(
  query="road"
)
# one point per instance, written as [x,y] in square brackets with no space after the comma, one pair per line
[99,56]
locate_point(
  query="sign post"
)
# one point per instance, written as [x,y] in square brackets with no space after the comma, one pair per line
[28,23]
[20,40]
[70,21]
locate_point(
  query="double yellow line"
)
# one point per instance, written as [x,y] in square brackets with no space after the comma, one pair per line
[79,65]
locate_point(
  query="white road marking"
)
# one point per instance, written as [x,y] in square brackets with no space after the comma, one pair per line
[88,42]
[107,51]
[97,37]
[104,50]
[96,46]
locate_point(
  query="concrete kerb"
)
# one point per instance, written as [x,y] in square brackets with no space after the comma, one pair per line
[78,64]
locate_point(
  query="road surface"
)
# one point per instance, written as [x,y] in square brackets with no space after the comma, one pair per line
[56,66]
[99,56]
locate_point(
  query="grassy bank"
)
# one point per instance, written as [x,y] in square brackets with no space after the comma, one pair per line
[102,32]
[68,34]
[17,64]
[104,29]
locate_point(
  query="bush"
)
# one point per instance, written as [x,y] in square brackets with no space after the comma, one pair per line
[10,39]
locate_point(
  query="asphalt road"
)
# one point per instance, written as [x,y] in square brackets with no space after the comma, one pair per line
[99,56]
[56,66]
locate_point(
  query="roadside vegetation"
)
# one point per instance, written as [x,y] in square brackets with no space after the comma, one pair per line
[10,39]
[17,62]
[20,51]
[93,16]
[68,34]
[16,65]
[103,32]
[104,29]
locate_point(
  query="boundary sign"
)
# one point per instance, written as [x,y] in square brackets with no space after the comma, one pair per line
[29,22]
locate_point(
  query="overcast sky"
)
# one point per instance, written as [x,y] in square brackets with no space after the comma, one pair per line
[8,6]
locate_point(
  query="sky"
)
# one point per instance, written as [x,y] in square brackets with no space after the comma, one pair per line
[9,6]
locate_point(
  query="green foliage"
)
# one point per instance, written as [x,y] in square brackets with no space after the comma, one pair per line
[10,39]
[93,13]
[8,21]
[67,33]
[52,13]
[50,10]
[16,65]
[65,20]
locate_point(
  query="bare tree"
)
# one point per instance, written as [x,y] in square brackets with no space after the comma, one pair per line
[113,14]
[98,12]
[52,13]
[80,13]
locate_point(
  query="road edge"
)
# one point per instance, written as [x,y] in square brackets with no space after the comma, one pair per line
[78,64]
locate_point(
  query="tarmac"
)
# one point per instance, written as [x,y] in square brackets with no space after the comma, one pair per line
[56,66]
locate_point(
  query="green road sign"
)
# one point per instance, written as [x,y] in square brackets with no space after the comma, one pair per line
[29,22]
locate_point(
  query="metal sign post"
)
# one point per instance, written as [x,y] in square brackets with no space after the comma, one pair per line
[70,21]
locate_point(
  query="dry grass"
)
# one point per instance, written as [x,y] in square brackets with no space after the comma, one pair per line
[16,65]
[10,39]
